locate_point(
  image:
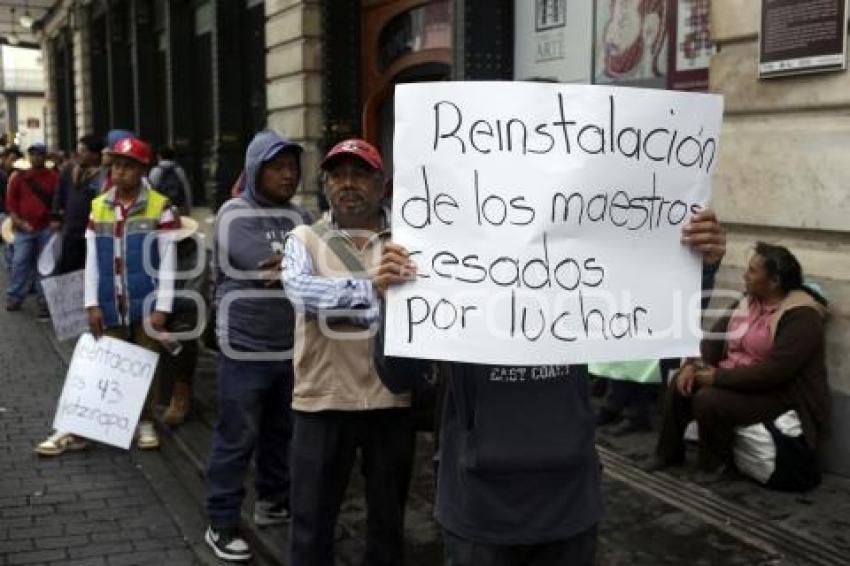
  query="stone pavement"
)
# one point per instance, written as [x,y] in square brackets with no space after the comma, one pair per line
[107,506]
[93,507]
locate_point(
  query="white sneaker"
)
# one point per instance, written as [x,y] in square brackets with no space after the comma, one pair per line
[228,544]
[146,437]
[59,442]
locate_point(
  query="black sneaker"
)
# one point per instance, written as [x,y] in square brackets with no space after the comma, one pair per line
[267,513]
[228,544]
[42,314]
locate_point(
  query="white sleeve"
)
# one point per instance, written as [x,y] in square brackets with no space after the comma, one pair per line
[154,175]
[92,273]
[167,268]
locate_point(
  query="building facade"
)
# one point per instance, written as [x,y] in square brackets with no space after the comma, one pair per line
[22,105]
[202,75]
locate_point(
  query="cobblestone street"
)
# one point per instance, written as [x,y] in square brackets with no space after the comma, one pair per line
[106,506]
[89,507]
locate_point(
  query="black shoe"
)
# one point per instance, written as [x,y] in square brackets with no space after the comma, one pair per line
[660,464]
[631,426]
[606,416]
[43,314]
[228,544]
[268,513]
[12,306]
[720,473]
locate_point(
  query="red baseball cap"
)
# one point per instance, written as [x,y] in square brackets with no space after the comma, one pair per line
[132,148]
[358,148]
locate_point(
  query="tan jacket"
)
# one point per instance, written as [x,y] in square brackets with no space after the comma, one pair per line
[337,372]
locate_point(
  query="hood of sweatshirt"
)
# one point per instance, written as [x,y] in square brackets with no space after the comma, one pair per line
[265,146]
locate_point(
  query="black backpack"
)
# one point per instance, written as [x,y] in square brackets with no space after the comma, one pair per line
[796,463]
[171,186]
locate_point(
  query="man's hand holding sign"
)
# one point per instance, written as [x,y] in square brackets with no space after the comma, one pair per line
[550,224]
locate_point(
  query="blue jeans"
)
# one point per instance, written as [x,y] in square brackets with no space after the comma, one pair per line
[254,418]
[24,259]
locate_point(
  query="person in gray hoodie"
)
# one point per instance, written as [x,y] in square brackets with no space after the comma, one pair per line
[255,337]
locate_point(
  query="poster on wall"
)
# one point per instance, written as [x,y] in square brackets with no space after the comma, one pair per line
[630,42]
[553,40]
[802,36]
[690,45]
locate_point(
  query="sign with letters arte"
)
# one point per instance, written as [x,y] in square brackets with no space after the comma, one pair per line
[105,389]
[546,220]
[65,296]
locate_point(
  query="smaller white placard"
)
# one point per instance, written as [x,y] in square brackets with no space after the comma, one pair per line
[65,295]
[105,389]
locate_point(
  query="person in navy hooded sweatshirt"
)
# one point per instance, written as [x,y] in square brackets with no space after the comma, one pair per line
[255,337]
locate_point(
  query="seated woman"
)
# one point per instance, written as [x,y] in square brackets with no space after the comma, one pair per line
[763,360]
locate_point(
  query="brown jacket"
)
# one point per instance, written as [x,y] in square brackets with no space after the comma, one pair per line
[334,368]
[795,368]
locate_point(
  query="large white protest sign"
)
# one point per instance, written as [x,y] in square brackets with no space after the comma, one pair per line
[105,390]
[65,295]
[545,221]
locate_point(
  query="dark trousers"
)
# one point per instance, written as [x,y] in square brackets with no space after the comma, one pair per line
[324,446]
[254,418]
[634,400]
[578,550]
[73,256]
[717,412]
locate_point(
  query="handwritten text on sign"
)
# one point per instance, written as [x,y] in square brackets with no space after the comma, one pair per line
[105,390]
[65,296]
[545,221]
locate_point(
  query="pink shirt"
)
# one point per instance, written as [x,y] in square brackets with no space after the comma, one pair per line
[751,341]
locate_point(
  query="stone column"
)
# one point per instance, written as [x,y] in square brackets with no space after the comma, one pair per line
[294,88]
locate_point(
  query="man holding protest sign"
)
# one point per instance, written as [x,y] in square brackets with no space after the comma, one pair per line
[129,261]
[530,278]
[339,402]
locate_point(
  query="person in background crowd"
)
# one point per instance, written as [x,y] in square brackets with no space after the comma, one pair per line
[632,393]
[170,179]
[769,359]
[9,155]
[112,137]
[28,201]
[116,280]
[180,365]
[254,375]
[238,185]
[339,402]
[519,477]
[79,184]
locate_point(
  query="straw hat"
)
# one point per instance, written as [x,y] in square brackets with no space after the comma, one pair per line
[188,226]
[7,232]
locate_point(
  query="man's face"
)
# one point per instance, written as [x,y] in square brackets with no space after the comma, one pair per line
[9,160]
[86,157]
[126,173]
[36,159]
[354,188]
[278,178]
